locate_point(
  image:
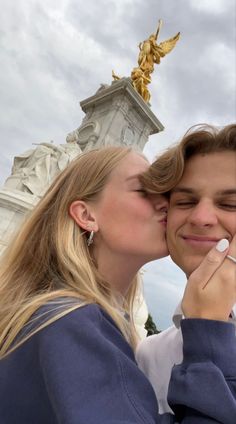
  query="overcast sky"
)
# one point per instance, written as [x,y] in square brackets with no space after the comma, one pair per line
[55,53]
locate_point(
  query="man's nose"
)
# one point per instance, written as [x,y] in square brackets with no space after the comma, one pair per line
[203,214]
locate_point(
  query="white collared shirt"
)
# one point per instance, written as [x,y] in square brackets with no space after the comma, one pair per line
[178,315]
[157,354]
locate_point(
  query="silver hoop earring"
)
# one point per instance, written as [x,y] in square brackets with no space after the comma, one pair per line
[90,239]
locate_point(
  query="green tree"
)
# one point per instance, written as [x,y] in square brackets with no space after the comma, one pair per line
[150,326]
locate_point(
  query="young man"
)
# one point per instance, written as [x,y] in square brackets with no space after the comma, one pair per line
[199,177]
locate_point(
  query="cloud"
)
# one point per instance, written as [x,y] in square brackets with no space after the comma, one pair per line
[206,6]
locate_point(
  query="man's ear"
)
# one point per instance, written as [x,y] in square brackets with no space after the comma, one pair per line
[83,215]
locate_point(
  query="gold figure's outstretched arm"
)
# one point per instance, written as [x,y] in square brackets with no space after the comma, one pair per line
[158,28]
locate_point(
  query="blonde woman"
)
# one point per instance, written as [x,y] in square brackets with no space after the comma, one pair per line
[67,285]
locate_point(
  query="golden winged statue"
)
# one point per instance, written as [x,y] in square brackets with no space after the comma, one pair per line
[149,54]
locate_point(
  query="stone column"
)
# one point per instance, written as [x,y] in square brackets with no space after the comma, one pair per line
[116,115]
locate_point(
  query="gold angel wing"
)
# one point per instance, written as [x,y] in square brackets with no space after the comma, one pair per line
[166,46]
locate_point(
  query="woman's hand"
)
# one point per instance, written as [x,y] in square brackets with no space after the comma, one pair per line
[211,289]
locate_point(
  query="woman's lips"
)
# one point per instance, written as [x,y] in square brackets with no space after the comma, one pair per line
[163,221]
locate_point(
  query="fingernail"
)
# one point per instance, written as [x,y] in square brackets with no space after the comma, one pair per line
[222,245]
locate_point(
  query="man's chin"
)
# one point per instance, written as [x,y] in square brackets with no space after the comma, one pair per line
[188,265]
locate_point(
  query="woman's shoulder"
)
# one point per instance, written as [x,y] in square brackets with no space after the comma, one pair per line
[87,327]
[62,311]
[59,315]
[72,315]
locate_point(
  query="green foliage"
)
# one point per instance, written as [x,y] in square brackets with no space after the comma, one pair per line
[150,326]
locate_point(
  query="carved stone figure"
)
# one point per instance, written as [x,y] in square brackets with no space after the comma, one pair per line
[34,170]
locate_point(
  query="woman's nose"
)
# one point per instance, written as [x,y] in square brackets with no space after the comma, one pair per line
[160,202]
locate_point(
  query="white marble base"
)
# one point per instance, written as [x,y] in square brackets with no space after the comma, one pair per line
[13,207]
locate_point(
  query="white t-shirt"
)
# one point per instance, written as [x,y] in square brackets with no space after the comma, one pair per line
[157,354]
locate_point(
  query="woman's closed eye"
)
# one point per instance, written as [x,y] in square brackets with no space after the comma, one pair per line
[141,191]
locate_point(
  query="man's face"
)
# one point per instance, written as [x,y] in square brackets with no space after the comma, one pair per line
[202,208]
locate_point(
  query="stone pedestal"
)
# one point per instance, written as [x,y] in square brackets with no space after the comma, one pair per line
[116,115]
[13,207]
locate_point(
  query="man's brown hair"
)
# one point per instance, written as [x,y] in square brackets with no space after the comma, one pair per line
[167,170]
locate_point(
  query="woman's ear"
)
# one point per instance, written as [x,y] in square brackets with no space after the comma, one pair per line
[82,214]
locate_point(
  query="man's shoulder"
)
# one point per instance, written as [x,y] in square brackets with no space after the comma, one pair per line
[156,356]
[155,347]
[158,340]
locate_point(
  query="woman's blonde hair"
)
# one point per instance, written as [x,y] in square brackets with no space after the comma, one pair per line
[49,260]
[167,170]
